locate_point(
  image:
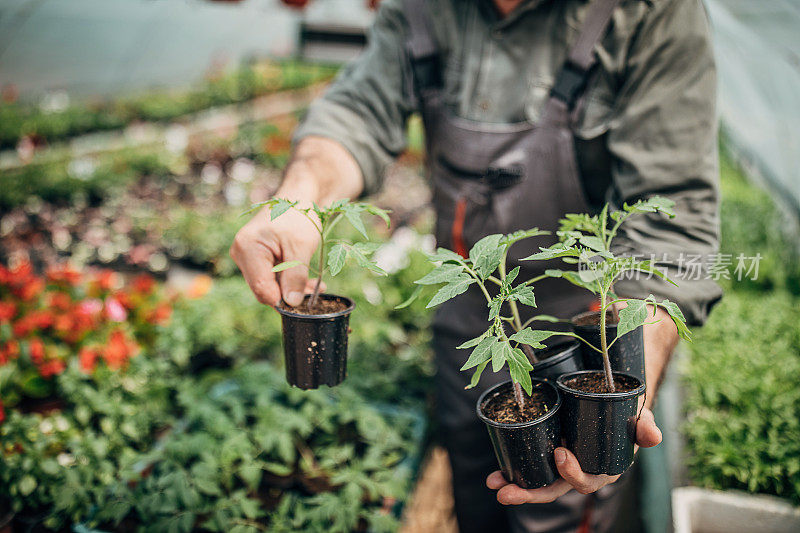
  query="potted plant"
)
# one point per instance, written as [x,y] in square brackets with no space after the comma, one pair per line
[600,406]
[524,430]
[315,332]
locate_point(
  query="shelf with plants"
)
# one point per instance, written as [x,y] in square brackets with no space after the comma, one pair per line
[18,120]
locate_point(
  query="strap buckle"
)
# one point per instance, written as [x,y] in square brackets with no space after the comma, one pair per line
[570,82]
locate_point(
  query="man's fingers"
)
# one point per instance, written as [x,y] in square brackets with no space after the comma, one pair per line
[311,284]
[293,283]
[515,495]
[256,269]
[647,432]
[571,472]
[496,480]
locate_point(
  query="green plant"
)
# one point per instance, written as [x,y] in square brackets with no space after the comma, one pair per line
[743,403]
[324,220]
[487,257]
[587,241]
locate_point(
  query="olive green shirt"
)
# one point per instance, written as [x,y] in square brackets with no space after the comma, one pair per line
[651,106]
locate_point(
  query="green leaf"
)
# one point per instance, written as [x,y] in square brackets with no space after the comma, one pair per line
[441,274]
[364,262]
[511,277]
[383,213]
[677,317]
[590,241]
[481,354]
[451,290]
[353,214]
[410,299]
[494,307]
[532,337]
[652,205]
[517,236]
[280,206]
[501,351]
[336,258]
[443,254]
[286,265]
[486,255]
[521,375]
[552,253]
[26,485]
[473,342]
[476,376]
[632,316]
[518,357]
[524,295]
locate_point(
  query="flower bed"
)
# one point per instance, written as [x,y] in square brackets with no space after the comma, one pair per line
[199,429]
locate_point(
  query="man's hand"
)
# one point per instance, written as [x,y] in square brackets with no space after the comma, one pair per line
[261,244]
[647,436]
[321,171]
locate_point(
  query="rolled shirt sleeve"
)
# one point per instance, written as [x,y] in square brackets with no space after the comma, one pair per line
[664,142]
[367,106]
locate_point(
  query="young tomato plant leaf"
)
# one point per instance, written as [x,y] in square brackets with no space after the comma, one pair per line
[473,342]
[523,295]
[519,373]
[481,354]
[441,274]
[445,255]
[532,337]
[336,258]
[501,351]
[476,376]
[377,211]
[286,265]
[280,207]
[486,255]
[632,316]
[353,215]
[411,299]
[677,317]
[451,290]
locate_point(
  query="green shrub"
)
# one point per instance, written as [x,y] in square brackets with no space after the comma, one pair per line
[743,400]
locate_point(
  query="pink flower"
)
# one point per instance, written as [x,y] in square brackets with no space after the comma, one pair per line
[90,306]
[115,311]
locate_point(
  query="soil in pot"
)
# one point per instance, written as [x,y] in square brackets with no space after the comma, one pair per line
[599,426]
[523,441]
[315,341]
[626,355]
[557,360]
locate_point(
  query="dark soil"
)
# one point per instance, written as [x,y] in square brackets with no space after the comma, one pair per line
[503,407]
[596,383]
[325,305]
[593,319]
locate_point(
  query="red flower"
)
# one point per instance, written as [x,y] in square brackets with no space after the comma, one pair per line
[2,412]
[160,315]
[88,359]
[119,349]
[63,274]
[8,352]
[59,300]
[105,280]
[36,347]
[29,289]
[5,275]
[23,327]
[7,310]
[143,284]
[52,367]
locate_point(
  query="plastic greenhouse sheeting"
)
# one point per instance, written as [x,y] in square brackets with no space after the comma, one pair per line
[758,57]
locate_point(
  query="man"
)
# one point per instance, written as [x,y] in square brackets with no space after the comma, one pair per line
[532,109]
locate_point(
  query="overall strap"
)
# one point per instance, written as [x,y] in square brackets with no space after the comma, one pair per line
[574,75]
[421,47]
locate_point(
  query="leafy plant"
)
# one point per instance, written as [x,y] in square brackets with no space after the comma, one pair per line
[338,251]
[587,240]
[487,257]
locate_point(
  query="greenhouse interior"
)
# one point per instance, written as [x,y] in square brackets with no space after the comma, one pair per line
[172,172]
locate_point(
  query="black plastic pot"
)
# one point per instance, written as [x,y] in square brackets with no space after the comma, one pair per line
[626,355]
[315,346]
[600,428]
[556,360]
[525,450]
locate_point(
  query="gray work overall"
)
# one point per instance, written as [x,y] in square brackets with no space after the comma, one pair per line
[498,178]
